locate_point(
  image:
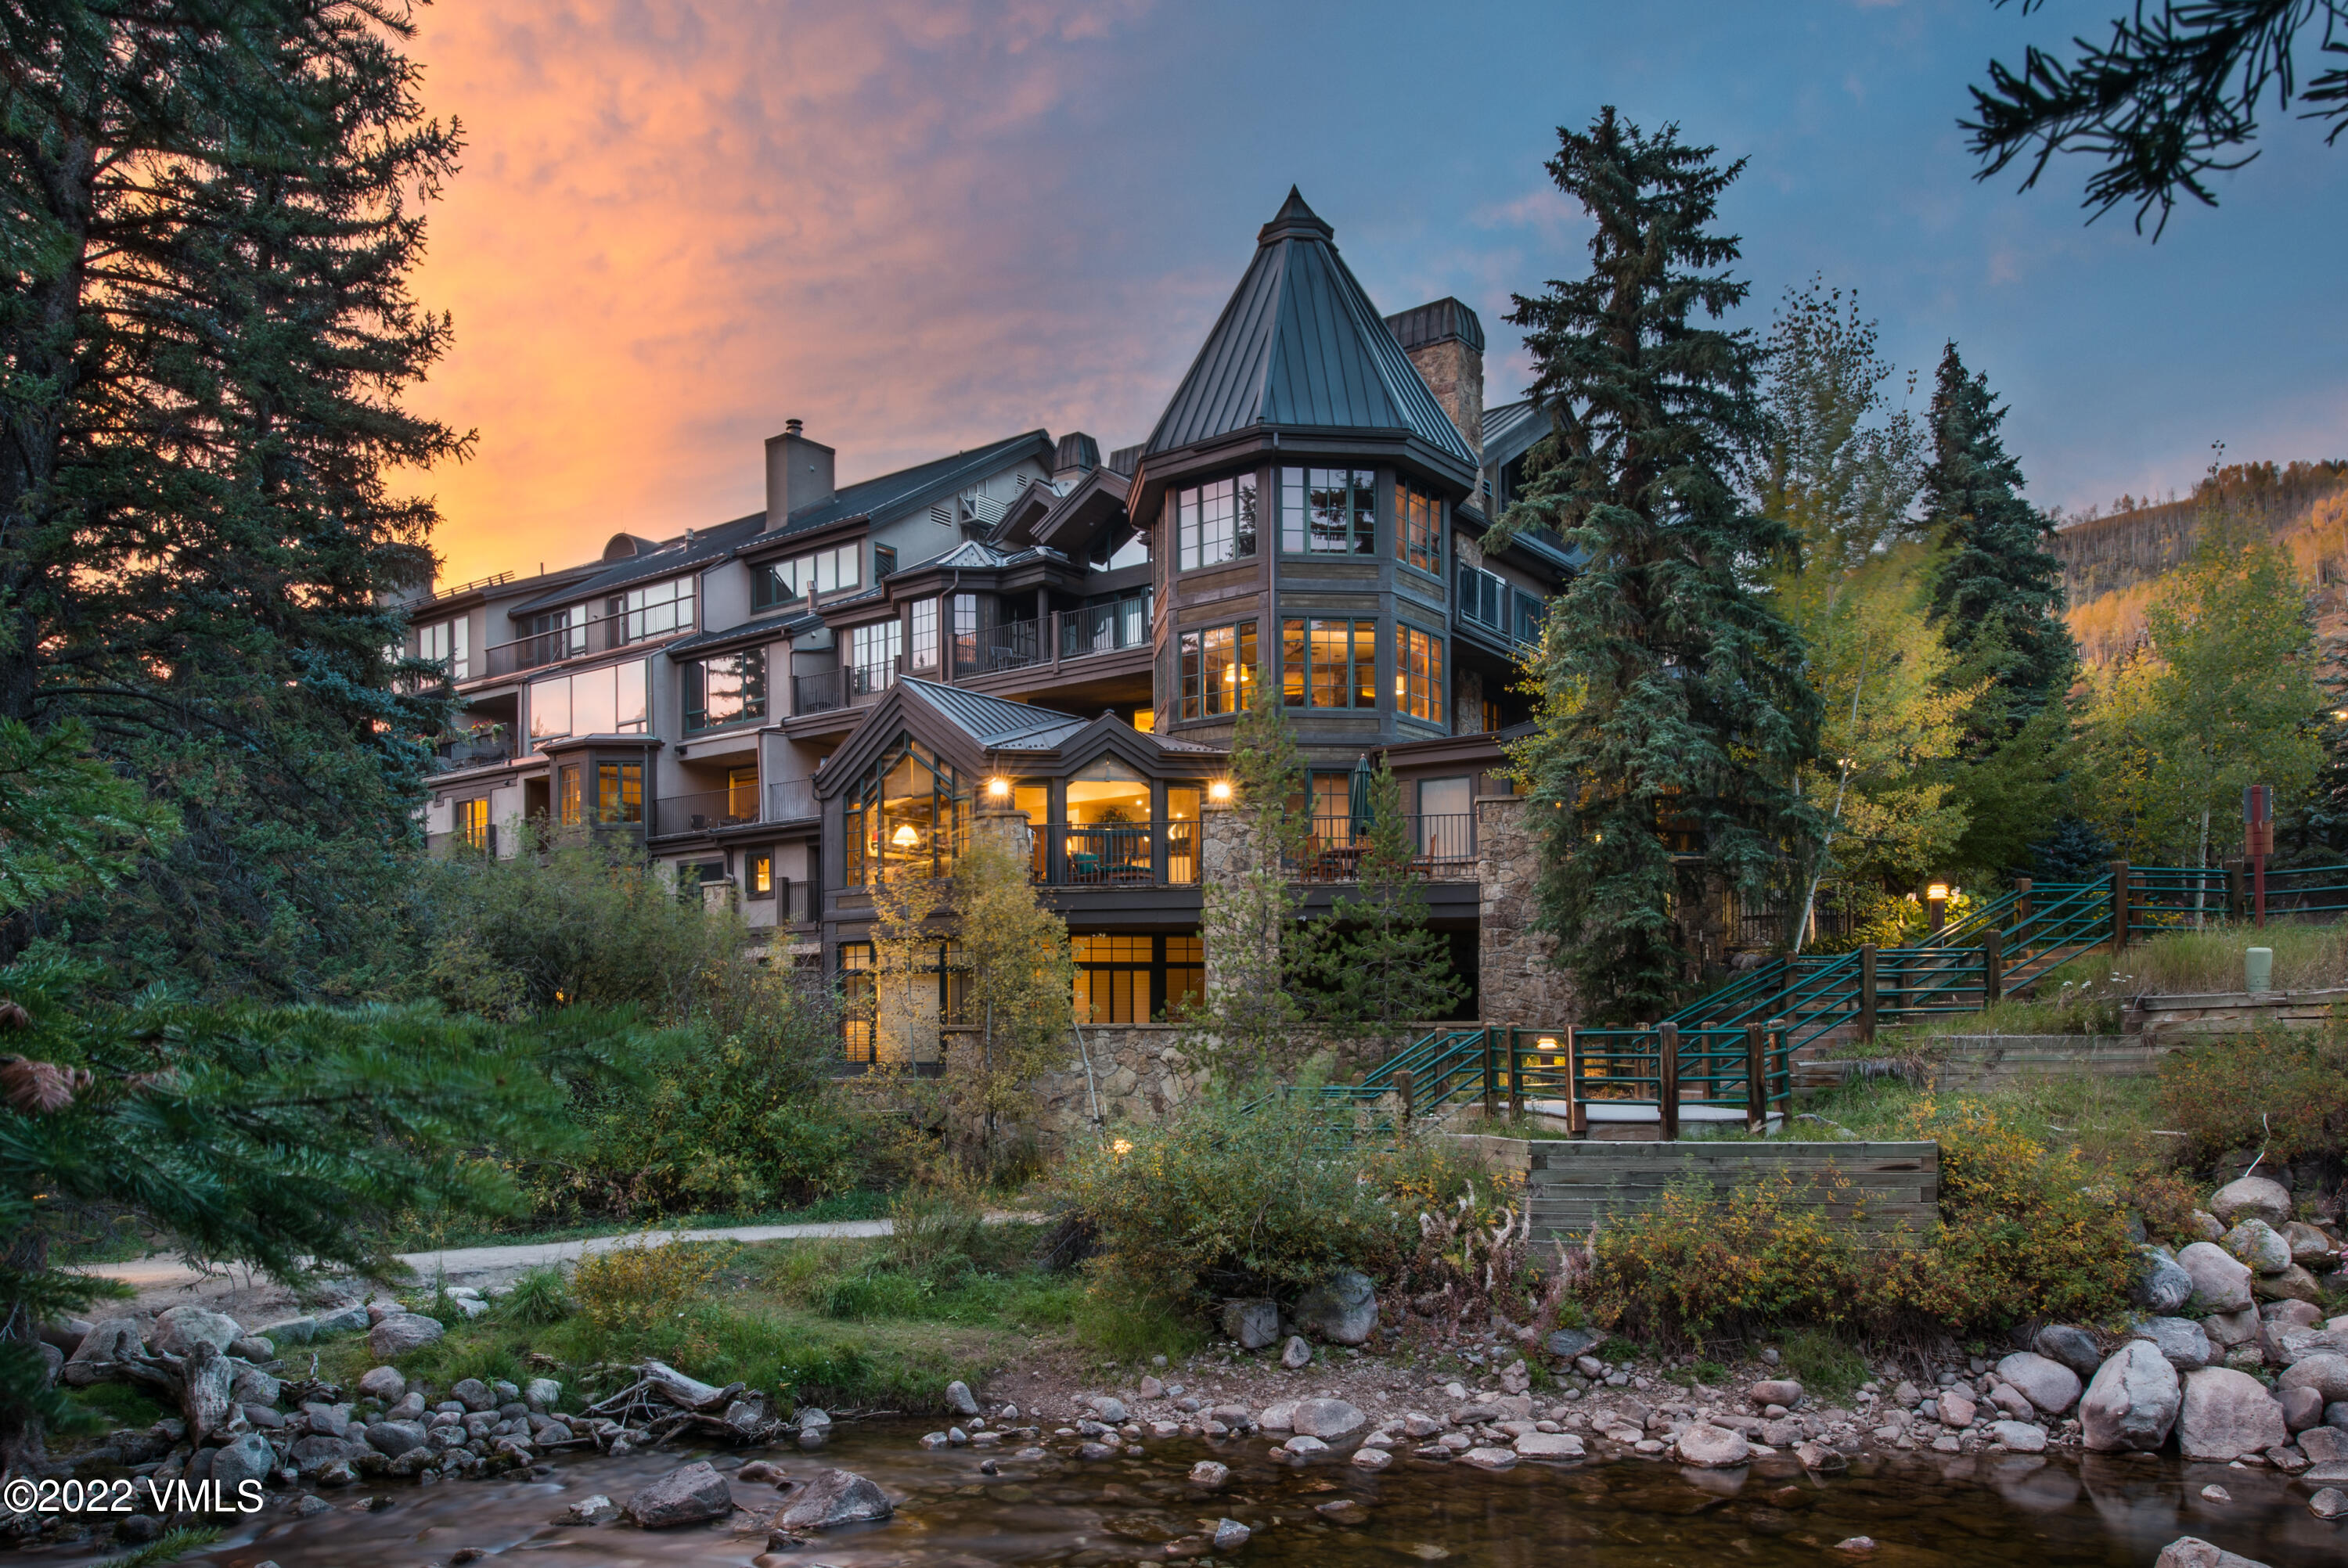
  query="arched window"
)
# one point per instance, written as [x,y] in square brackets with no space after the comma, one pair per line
[908,809]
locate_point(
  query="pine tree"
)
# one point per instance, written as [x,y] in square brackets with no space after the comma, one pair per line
[1381,966]
[1671,691]
[207,210]
[1997,595]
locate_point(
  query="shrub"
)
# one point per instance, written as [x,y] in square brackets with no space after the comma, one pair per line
[1698,1261]
[636,1292]
[540,1295]
[1224,1199]
[2287,1093]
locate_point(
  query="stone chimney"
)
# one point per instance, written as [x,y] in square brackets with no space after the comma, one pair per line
[1077,456]
[799,474]
[1445,340]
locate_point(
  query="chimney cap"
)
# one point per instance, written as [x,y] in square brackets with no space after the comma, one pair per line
[1437,321]
[792,426]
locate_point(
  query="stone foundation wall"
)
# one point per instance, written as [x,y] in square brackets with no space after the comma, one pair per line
[1515,974]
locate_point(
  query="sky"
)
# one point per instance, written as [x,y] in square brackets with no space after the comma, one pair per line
[922,225]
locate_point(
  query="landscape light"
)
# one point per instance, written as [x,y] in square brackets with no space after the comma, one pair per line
[1938,891]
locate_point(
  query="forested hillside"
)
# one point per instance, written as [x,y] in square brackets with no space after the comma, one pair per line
[2111,561]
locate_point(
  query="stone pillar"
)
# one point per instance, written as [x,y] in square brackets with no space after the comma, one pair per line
[1517,977]
[1003,824]
[1226,850]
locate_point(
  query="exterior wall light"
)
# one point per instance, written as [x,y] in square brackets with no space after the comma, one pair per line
[1220,791]
[998,788]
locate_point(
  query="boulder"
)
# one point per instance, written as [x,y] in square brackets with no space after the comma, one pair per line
[2021,1437]
[2325,1444]
[1108,1408]
[2192,1552]
[2328,1504]
[2227,1414]
[2132,1402]
[2257,1244]
[2222,1282]
[543,1393]
[178,1329]
[1491,1459]
[253,1348]
[2051,1387]
[834,1497]
[1713,1448]
[2294,1313]
[1372,1458]
[1210,1474]
[1776,1391]
[1341,1308]
[1280,1417]
[249,1385]
[1326,1419]
[402,1332]
[384,1383]
[2180,1339]
[2228,1329]
[2072,1346]
[289,1331]
[344,1320]
[1304,1447]
[959,1400]
[250,1458]
[1956,1409]
[1296,1354]
[1254,1323]
[2161,1283]
[2301,1408]
[1549,1445]
[690,1495]
[107,1342]
[2250,1198]
[1566,1344]
[392,1439]
[2310,1247]
[312,1454]
[2204,1224]
[1230,1535]
[2290,1284]
[2327,1374]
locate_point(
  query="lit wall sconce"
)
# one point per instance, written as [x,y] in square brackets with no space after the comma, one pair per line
[1220,792]
[998,789]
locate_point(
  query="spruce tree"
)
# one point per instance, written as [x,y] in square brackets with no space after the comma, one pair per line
[1672,696]
[208,216]
[1997,596]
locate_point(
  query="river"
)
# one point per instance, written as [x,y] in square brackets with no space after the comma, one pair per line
[1920,1509]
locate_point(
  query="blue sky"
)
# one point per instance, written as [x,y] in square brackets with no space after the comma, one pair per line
[919,226]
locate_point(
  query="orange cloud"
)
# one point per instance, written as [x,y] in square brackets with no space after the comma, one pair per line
[681,221]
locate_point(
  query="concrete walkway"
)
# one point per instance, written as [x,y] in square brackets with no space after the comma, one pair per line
[489,1265]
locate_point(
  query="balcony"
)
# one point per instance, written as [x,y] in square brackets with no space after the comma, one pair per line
[1103,628]
[1116,855]
[1065,636]
[708,811]
[474,749]
[482,842]
[1445,849]
[601,635]
[827,691]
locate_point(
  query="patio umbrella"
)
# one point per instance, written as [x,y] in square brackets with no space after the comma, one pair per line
[1357,798]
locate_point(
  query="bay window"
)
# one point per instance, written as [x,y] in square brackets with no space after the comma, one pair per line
[1215,523]
[1328,511]
[1329,663]
[1418,528]
[1218,670]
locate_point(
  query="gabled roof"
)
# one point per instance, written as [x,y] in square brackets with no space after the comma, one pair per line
[975,554]
[689,552]
[995,722]
[915,485]
[1300,344]
[1511,429]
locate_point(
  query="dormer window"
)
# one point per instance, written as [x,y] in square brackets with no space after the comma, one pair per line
[1215,523]
[820,572]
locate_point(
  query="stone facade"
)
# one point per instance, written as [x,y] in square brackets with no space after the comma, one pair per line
[1516,973]
[1125,1072]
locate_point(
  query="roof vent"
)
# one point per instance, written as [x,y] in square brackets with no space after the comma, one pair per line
[1077,456]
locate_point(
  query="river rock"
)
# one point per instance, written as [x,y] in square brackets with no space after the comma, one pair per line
[2327,1374]
[1549,1445]
[1209,1474]
[2257,1244]
[2192,1552]
[108,1342]
[2180,1339]
[1304,1447]
[2251,1198]
[2051,1387]
[344,1319]
[2021,1437]
[253,1348]
[384,1383]
[2310,1247]
[313,1453]
[1253,1322]
[178,1327]
[690,1495]
[1956,1409]
[543,1394]
[2222,1282]
[1566,1344]
[249,1385]
[1341,1308]
[2161,1283]
[832,1498]
[2072,1346]
[1296,1354]
[1776,1391]
[473,1394]
[392,1439]
[2301,1408]
[250,1458]
[2132,1403]
[1325,1418]
[2228,1329]
[402,1332]
[2328,1504]
[1230,1535]
[960,1401]
[2227,1414]
[2291,1283]
[1713,1448]
[1372,1458]
[1488,1459]
[289,1330]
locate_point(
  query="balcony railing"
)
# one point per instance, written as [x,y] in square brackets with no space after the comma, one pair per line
[1065,635]
[444,846]
[1103,628]
[706,810]
[828,690]
[1116,855]
[600,635]
[794,902]
[1013,645]
[472,752]
[1444,849]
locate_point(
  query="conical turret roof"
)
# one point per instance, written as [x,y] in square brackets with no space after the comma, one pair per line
[1301,345]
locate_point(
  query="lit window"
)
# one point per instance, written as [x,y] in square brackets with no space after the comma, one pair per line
[620,792]
[1218,670]
[1137,979]
[571,804]
[473,823]
[758,873]
[1329,663]
[1418,673]
[605,701]
[1328,511]
[1418,528]
[1215,523]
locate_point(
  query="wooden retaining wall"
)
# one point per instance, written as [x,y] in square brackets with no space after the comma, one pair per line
[2188,1019]
[1975,1062]
[1572,1184]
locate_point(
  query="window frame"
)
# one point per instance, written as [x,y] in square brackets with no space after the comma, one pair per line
[1358,685]
[758,873]
[1420,521]
[1419,687]
[1298,536]
[751,675]
[1155,971]
[922,645]
[613,795]
[1192,691]
[1244,522]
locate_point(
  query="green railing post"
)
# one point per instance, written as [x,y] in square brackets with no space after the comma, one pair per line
[1667,1089]
[1491,1076]
[1756,1078]
[1992,967]
[2119,904]
[1867,997]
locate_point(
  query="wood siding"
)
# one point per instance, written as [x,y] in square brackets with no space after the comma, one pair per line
[1569,1186]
